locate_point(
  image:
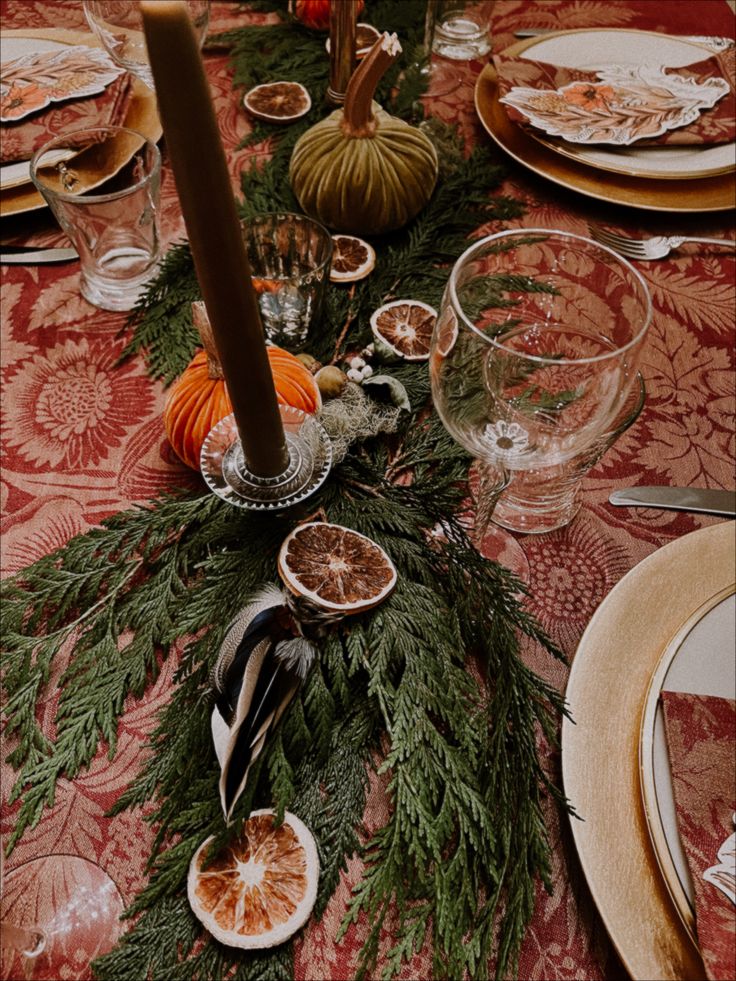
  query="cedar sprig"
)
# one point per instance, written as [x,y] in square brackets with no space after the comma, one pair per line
[381,692]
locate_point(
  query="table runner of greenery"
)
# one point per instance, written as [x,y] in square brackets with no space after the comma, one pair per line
[464,840]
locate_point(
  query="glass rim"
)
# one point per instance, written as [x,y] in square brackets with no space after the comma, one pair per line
[559,233]
[109,195]
[245,224]
[287,214]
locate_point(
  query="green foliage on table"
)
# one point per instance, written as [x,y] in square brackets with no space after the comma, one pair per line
[464,840]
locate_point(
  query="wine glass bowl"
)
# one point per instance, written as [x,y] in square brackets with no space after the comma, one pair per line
[118,25]
[534,356]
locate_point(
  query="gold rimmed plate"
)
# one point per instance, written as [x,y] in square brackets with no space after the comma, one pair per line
[610,683]
[698,660]
[17,194]
[699,191]
[588,49]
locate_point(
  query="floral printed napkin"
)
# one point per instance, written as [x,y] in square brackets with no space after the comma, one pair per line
[623,104]
[701,742]
[45,94]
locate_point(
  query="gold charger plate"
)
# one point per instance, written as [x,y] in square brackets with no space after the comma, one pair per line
[703,666]
[142,116]
[588,47]
[716,193]
[607,693]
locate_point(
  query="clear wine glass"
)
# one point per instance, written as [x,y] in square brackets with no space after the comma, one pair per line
[533,362]
[119,26]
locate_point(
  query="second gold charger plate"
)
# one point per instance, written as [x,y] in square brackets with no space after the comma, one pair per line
[698,194]
[142,116]
[608,691]
[698,660]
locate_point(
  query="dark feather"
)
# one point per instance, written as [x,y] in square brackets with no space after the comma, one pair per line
[276,682]
[257,630]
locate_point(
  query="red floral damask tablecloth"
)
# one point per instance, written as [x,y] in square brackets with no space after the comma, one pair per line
[83,438]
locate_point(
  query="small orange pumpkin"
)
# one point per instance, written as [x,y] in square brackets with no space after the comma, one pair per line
[198,400]
[315,13]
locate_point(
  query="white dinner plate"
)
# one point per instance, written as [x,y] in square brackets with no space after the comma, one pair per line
[589,50]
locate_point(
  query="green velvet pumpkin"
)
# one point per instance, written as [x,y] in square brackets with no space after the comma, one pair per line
[361,170]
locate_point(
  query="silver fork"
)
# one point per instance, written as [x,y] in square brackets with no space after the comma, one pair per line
[650,248]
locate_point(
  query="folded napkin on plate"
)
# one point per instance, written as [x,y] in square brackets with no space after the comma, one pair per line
[701,742]
[19,141]
[623,104]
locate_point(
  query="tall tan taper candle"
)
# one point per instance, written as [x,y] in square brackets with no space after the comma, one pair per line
[210,214]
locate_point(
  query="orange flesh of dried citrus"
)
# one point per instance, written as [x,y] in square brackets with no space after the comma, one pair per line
[406,327]
[265,285]
[352,258]
[278,101]
[336,567]
[261,888]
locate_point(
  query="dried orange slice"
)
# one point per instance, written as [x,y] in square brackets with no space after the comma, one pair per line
[352,259]
[404,327]
[335,567]
[278,102]
[365,37]
[260,888]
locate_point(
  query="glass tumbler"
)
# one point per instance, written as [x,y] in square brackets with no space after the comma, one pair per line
[533,360]
[290,257]
[462,29]
[102,185]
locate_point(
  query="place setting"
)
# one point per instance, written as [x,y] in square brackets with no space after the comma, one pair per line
[626,116]
[42,99]
[662,755]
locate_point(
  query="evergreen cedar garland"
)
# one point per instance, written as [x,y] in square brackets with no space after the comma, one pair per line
[457,859]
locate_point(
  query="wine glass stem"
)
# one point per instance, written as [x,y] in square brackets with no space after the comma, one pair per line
[493,483]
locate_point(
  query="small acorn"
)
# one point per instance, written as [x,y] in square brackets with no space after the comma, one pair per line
[310,363]
[331,381]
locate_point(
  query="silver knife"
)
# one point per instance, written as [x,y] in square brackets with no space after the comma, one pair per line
[721,502]
[714,43]
[31,257]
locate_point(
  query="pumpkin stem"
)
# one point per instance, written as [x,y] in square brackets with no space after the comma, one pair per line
[204,329]
[358,118]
